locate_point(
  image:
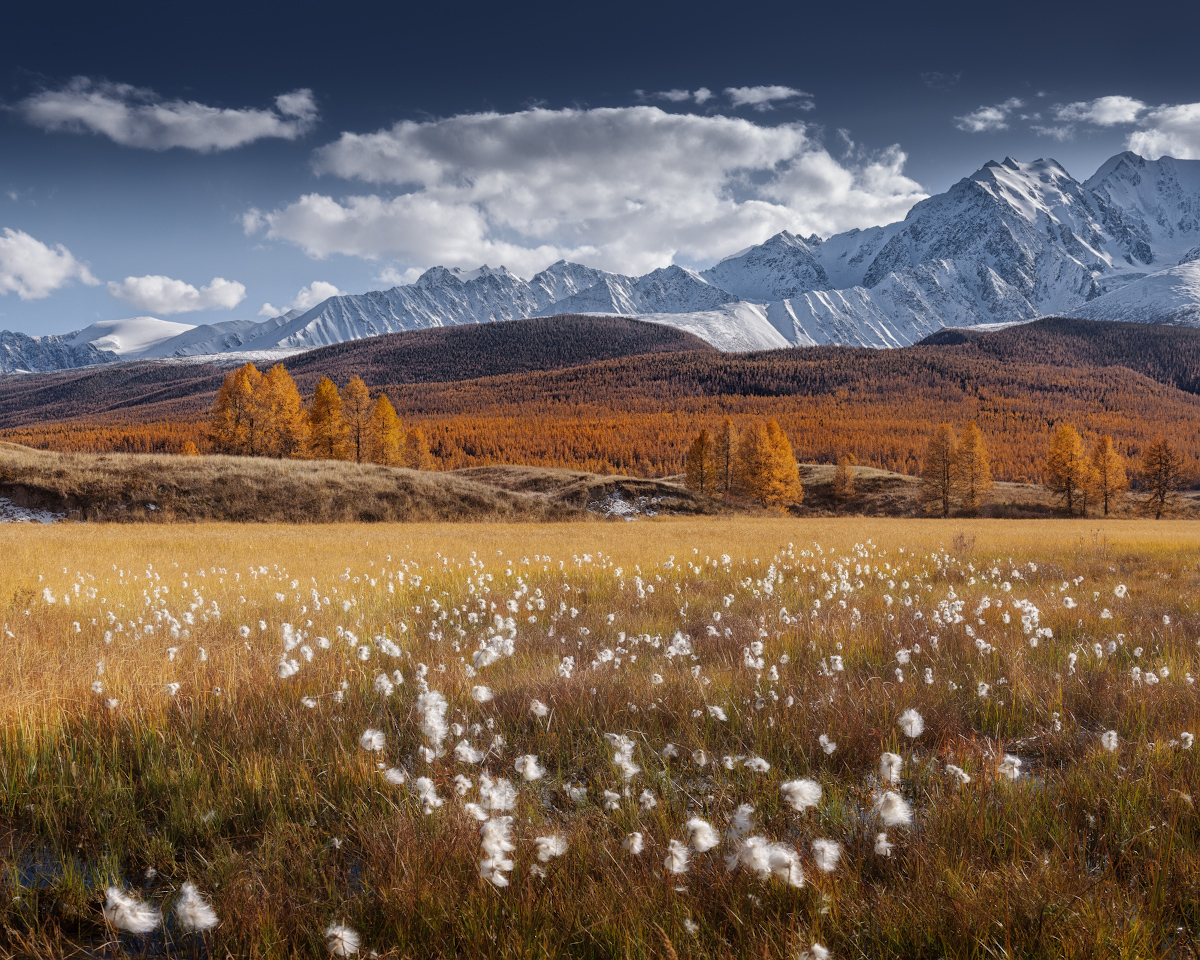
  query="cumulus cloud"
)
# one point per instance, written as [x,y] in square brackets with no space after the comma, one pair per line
[702,95]
[136,117]
[763,98]
[627,189]
[1103,111]
[33,270]
[987,119]
[1172,131]
[308,297]
[163,295]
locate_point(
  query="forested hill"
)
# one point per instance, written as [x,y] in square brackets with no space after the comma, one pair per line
[448,354]
[1167,354]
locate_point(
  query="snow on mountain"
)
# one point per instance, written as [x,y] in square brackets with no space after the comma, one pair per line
[1171,296]
[1011,242]
[21,353]
[131,337]
[784,266]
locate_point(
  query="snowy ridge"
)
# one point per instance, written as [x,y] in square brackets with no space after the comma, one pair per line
[1012,242]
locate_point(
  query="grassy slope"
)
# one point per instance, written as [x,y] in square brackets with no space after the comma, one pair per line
[275,812]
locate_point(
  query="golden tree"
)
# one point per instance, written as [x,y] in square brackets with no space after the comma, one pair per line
[843,478]
[972,469]
[725,456]
[416,450]
[765,468]
[1108,472]
[1162,475]
[356,412]
[938,470]
[385,433]
[285,428]
[235,423]
[1067,470]
[325,418]
[189,449]
[700,468]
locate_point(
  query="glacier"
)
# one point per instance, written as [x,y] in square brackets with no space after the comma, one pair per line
[1012,242]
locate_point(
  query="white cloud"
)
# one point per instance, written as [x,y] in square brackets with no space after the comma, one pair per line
[156,294]
[703,95]
[628,189]
[308,297]
[679,95]
[1103,112]
[1172,131]
[761,98]
[136,117]
[987,119]
[392,277]
[32,270]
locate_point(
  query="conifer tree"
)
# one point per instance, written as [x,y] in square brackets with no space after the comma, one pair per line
[285,428]
[937,470]
[236,420]
[328,427]
[972,469]
[356,411]
[700,468]
[1067,469]
[1108,472]
[765,469]
[1162,475]
[385,433]
[843,478]
[416,450]
[725,457]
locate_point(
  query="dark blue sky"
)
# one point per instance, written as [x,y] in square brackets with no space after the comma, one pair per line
[827,92]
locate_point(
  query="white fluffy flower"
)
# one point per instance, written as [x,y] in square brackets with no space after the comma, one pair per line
[1109,741]
[801,794]
[496,842]
[827,853]
[826,744]
[634,844]
[889,767]
[481,694]
[883,846]
[529,768]
[547,847]
[767,859]
[394,775]
[1009,767]
[703,836]
[959,773]
[758,765]
[893,809]
[126,912]
[341,941]
[538,709]
[677,857]
[372,739]
[193,912]
[912,723]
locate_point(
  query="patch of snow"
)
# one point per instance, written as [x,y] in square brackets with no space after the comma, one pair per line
[11,513]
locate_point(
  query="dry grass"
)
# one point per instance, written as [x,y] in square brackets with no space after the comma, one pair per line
[164,488]
[274,810]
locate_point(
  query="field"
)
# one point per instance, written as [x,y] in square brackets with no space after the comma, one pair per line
[331,730]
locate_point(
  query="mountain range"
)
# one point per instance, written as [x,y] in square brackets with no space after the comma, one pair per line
[1012,242]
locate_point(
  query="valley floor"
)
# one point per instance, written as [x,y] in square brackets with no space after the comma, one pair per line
[694,736]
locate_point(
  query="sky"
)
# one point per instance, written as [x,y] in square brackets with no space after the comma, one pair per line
[228,161]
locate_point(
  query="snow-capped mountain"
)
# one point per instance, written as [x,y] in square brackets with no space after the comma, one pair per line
[1011,242]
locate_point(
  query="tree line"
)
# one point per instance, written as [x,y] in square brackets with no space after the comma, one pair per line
[262,415]
[758,464]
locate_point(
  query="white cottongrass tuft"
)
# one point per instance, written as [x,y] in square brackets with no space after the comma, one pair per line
[465,753]
[883,846]
[372,739]
[529,768]
[1010,767]
[497,795]
[1187,739]
[431,707]
[539,709]
[634,844]
[576,793]
[893,809]
[669,752]
[703,836]
[623,755]
[341,941]
[612,800]
[547,847]
[741,823]
[481,694]
[912,723]
[1109,741]
[193,912]
[959,773]
[677,857]
[826,744]
[647,801]
[758,765]
[496,842]
[827,853]
[128,913]
[427,794]
[476,811]
[462,785]
[815,952]
[766,859]
[394,775]
[889,768]
[801,794]
[717,713]
[700,758]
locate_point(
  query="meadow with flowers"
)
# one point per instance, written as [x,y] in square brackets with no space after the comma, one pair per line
[716,737]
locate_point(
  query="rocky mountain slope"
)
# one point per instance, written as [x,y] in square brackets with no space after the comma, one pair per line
[1011,242]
